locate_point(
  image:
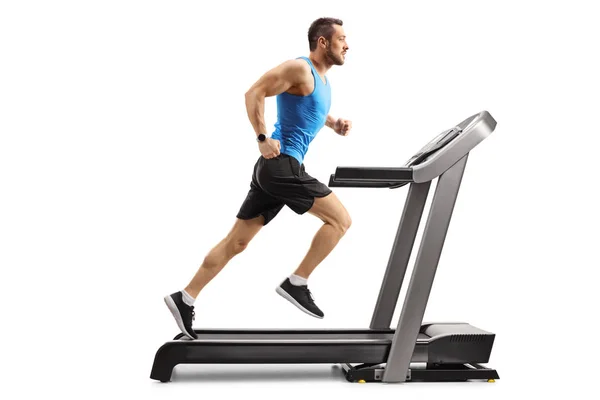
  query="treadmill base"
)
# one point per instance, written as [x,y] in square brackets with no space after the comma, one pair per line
[431,373]
[442,351]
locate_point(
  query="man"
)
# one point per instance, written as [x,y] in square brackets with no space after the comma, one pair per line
[279,178]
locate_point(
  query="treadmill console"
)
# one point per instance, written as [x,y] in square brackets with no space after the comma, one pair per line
[433,146]
[430,162]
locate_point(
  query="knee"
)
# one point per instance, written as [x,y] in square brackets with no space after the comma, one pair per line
[343,223]
[236,246]
[346,222]
[224,251]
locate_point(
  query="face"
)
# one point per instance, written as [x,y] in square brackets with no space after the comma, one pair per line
[337,47]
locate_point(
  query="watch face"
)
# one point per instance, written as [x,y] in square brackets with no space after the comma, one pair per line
[261,137]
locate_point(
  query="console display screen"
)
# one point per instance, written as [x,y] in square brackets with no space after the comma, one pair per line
[436,144]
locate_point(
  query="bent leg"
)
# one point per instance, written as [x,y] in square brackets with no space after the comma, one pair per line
[336,221]
[233,244]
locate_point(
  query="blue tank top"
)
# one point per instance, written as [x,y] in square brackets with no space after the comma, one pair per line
[300,118]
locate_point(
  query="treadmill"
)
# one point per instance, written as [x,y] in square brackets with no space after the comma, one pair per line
[412,351]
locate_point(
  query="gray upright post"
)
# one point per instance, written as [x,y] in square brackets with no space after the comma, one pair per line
[400,255]
[415,303]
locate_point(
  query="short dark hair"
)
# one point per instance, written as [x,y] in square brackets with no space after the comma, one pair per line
[321,27]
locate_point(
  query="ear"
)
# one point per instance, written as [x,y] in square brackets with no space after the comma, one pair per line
[323,42]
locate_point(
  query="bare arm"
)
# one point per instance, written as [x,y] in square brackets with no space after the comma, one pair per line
[277,80]
[330,122]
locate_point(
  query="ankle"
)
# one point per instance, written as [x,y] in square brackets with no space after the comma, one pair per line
[189,296]
[298,280]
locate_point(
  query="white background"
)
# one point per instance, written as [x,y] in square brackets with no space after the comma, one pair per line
[126,152]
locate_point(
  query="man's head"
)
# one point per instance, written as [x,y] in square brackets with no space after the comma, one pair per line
[326,37]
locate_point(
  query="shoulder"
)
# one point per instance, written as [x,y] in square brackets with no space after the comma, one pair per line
[296,66]
[295,71]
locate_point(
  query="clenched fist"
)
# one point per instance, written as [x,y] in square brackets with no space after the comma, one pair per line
[342,126]
[270,148]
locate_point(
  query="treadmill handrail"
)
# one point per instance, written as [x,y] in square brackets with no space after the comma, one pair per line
[374,174]
[334,182]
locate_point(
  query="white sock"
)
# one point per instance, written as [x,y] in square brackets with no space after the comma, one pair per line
[297,280]
[187,299]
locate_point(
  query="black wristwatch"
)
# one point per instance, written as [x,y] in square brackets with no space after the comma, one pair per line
[261,138]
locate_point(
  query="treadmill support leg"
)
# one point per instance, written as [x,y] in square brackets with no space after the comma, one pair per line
[167,357]
[430,249]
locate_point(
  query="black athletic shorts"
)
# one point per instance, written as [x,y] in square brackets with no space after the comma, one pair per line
[278,182]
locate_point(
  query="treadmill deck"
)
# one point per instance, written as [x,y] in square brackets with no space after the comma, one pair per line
[291,336]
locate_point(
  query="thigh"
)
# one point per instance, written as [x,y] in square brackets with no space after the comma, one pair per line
[287,180]
[330,209]
[258,203]
[244,230]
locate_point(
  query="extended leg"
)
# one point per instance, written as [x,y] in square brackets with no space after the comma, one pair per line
[181,303]
[233,244]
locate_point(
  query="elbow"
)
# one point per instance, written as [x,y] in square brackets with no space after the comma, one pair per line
[249,96]
[253,94]
[250,93]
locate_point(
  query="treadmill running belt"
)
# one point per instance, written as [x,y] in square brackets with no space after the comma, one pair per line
[288,337]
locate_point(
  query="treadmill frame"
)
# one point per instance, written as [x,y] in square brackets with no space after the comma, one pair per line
[405,349]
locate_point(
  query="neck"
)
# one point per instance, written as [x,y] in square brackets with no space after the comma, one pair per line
[321,65]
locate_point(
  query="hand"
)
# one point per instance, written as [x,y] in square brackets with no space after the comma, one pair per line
[342,126]
[269,148]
